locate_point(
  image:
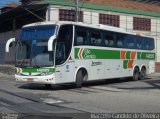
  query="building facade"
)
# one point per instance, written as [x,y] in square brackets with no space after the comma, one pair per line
[140,18]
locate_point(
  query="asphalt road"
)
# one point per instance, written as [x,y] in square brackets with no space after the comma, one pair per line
[66,102]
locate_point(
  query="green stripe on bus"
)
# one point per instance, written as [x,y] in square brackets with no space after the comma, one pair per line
[146,55]
[149,56]
[101,54]
[128,54]
[125,64]
[97,54]
[138,55]
[87,53]
[37,70]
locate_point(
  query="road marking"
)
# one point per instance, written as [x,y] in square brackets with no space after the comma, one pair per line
[51,100]
[4,104]
[107,89]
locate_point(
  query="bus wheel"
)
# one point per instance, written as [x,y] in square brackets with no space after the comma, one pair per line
[135,74]
[80,77]
[48,86]
[142,73]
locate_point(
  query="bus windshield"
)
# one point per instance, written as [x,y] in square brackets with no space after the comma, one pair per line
[32,48]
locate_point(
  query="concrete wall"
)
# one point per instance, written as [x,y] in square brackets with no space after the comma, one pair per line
[158,39]
[7,57]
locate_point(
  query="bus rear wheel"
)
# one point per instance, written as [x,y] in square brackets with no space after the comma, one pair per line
[142,73]
[135,74]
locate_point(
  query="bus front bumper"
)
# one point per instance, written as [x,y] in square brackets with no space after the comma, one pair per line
[47,79]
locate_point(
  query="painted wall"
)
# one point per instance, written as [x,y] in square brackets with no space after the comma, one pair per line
[126,22]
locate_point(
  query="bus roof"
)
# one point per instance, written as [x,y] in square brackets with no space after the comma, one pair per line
[96,26]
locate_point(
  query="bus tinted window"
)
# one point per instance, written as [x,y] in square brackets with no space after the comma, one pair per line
[139,43]
[39,32]
[109,39]
[148,44]
[95,38]
[120,40]
[81,36]
[130,41]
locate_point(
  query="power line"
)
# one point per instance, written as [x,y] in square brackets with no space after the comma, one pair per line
[34,14]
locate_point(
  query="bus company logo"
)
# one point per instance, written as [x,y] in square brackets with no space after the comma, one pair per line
[85,54]
[42,70]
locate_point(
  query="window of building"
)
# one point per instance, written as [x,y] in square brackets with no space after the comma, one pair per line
[69,15]
[143,24]
[107,19]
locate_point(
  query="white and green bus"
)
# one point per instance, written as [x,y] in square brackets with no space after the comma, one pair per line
[72,52]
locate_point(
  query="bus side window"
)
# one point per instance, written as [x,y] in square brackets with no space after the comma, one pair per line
[111,40]
[106,42]
[120,40]
[80,37]
[119,43]
[139,42]
[79,40]
[130,41]
[95,38]
[138,45]
[111,43]
[152,44]
[148,44]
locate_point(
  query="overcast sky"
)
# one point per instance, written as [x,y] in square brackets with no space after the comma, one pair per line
[4,2]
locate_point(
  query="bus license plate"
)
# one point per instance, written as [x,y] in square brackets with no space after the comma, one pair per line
[30,79]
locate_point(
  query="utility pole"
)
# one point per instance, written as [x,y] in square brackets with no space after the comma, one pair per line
[14,26]
[77,10]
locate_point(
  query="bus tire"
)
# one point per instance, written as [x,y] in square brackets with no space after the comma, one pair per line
[80,77]
[48,86]
[135,74]
[142,73]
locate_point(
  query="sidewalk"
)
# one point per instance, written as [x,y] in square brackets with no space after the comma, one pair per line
[157,74]
[7,69]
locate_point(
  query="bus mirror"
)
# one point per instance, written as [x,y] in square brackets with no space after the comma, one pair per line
[50,42]
[8,44]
